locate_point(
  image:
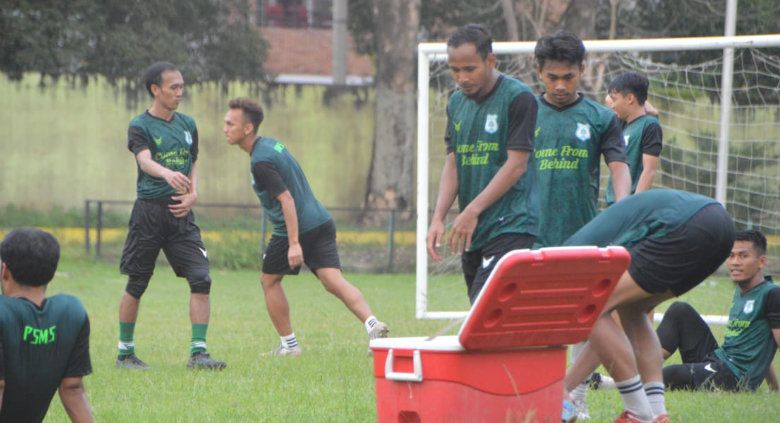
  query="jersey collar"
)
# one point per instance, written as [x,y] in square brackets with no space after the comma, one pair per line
[580,97]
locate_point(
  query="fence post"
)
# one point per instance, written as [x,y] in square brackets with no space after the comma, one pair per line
[391,241]
[99,228]
[86,225]
[263,228]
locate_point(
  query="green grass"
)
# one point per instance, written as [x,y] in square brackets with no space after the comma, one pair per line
[331,382]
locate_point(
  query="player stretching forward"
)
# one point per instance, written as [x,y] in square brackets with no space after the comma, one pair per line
[303,230]
[676,239]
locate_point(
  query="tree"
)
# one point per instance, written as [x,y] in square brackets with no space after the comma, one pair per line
[209,40]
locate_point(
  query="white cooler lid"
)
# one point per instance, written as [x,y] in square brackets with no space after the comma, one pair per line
[440,343]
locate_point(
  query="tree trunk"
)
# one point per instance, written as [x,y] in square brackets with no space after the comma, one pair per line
[391,174]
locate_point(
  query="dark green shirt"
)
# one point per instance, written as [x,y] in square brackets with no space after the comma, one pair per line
[749,345]
[643,136]
[569,141]
[173,144]
[275,170]
[38,348]
[649,214]
[480,133]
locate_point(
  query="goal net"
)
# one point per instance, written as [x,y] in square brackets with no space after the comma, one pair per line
[686,79]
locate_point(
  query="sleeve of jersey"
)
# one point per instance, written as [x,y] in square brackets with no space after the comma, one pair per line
[79,363]
[522,122]
[652,140]
[772,307]
[137,141]
[612,145]
[448,134]
[268,179]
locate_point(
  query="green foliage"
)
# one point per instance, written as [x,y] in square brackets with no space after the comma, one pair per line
[209,40]
[12,216]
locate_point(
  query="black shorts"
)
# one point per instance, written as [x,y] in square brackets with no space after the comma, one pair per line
[683,258]
[319,251]
[478,264]
[152,227]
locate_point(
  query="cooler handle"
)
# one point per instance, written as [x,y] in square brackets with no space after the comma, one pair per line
[415,376]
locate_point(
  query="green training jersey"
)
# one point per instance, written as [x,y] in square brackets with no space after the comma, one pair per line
[39,347]
[649,214]
[568,143]
[642,136]
[749,346]
[268,152]
[479,133]
[173,144]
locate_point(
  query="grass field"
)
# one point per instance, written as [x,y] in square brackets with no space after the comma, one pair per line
[331,382]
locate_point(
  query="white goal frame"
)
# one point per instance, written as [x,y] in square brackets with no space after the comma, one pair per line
[433,52]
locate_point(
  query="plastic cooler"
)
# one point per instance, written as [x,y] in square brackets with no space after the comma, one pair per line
[508,360]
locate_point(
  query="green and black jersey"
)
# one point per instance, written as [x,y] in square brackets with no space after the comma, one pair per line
[39,346]
[479,133]
[749,345]
[649,214]
[173,144]
[642,135]
[274,171]
[569,141]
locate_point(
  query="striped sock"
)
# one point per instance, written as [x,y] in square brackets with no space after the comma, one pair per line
[634,398]
[580,393]
[655,394]
[126,345]
[370,323]
[289,341]
[198,343]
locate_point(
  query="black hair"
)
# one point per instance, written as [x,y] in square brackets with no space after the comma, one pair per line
[562,46]
[631,83]
[755,237]
[474,34]
[251,110]
[31,256]
[153,74]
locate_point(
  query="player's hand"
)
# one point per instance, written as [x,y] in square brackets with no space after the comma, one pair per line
[177,181]
[295,256]
[434,239]
[462,229]
[183,205]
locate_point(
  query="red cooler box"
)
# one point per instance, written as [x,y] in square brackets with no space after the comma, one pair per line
[508,361]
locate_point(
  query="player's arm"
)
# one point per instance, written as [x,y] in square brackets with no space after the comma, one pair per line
[138,143]
[520,138]
[268,179]
[614,150]
[651,145]
[771,378]
[71,390]
[772,309]
[2,370]
[185,202]
[74,400]
[448,191]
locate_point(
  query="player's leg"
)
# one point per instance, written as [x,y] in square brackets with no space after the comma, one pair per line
[188,257]
[684,329]
[139,256]
[320,254]
[275,266]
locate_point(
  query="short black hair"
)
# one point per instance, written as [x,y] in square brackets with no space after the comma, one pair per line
[31,256]
[562,46]
[631,83]
[474,34]
[153,74]
[755,237]
[251,110]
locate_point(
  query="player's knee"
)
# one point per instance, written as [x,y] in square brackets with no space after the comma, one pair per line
[200,281]
[136,286]
[679,309]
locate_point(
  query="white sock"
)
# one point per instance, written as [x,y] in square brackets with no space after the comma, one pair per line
[655,394]
[580,393]
[634,398]
[289,341]
[370,323]
[606,382]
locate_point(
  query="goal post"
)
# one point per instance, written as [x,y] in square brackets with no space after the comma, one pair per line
[434,54]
